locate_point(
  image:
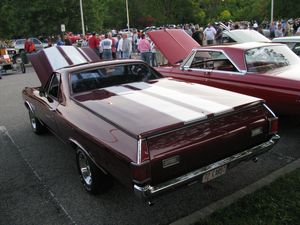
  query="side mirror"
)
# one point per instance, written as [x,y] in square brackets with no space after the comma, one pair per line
[49,99]
[41,92]
[184,68]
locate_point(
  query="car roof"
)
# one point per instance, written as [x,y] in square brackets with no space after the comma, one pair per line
[241,46]
[287,39]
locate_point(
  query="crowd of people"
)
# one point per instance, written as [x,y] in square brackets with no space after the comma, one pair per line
[129,44]
[122,45]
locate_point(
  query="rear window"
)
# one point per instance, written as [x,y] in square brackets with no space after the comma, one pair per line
[263,59]
[110,76]
[20,42]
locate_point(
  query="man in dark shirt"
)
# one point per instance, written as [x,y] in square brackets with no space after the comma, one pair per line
[198,35]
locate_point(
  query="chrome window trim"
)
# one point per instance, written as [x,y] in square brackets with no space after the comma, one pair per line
[194,51]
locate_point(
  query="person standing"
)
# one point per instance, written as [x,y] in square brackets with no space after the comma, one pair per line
[198,34]
[59,41]
[144,48]
[119,46]
[153,54]
[27,45]
[93,43]
[279,31]
[126,47]
[113,45]
[105,46]
[209,34]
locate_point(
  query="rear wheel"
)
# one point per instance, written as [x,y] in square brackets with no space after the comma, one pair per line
[36,126]
[92,178]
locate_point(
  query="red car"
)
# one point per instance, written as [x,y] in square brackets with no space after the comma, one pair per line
[265,70]
[153,134]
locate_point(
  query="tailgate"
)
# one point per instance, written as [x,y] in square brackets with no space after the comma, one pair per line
[175,153]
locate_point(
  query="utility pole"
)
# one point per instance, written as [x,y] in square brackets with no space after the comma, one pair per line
[127,12]
[272,10]
[82,21]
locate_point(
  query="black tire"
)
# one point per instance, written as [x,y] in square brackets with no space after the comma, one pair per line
[36,126]
[93,179]
[23,68]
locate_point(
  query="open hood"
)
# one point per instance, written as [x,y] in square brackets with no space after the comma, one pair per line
[174,44]
[242,36]
[48,60]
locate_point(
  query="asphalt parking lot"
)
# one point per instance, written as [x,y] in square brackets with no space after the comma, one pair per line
[39,183]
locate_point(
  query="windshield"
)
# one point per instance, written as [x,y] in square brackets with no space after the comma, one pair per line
[111,75]
[266,58]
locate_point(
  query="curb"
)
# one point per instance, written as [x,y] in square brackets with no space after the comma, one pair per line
[228,200]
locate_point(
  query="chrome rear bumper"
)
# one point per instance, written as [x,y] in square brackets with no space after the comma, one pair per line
[148,191]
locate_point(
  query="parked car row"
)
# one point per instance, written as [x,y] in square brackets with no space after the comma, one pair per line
[156,129]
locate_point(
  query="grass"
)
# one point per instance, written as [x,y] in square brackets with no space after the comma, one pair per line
[275,204]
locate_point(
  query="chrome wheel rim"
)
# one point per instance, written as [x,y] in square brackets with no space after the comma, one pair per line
[85,169]
[32,121]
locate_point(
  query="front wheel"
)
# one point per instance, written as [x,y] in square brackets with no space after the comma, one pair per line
[36,126]
[92,178]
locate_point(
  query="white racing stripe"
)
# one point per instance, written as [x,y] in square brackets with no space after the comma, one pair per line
[73,54]
[179,112]
[55,58]
[200,103]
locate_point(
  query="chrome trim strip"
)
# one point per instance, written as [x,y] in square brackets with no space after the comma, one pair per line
[217,71]
[149,191]
[139,151]
[273,114]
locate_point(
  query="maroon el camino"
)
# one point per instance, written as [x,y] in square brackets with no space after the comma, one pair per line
[264,70]
[153,134]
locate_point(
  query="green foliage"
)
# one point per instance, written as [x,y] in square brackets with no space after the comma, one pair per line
[225,15]
[44,17]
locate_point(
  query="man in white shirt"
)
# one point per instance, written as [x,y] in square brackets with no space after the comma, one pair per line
[209,34]
[105,46]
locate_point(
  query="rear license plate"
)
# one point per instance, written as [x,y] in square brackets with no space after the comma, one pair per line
[210,175]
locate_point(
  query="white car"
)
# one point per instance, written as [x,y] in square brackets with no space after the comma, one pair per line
[293,42]
[19,44]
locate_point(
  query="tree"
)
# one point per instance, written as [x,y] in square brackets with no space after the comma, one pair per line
[44,17]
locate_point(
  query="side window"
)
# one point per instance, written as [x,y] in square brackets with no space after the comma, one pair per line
[53,89]
[212,60]
[296,49]
[35,41]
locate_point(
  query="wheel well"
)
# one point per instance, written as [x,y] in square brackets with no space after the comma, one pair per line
[74,144]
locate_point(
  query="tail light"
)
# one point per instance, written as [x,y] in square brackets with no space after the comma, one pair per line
[141,172]
[273,121]
[273,125]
